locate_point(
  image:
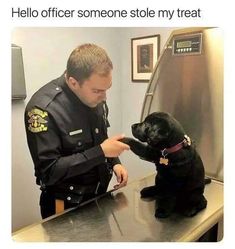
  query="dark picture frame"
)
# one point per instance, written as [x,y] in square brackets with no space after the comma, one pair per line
[144,54]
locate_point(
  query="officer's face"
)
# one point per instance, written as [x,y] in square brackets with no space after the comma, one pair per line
[93,90]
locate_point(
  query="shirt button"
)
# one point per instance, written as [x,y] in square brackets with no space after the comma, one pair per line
[69,198]
[96,130]
[71,187]
[79,143]
[57,89]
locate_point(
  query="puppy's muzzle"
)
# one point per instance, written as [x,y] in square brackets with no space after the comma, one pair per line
[138,132]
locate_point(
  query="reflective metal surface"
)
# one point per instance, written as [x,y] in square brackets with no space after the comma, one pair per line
[124,216]
[18,88]
[189,85]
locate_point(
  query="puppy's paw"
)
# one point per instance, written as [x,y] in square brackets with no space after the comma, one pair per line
[190,212]
[127,140]
[148,192]
[162,213]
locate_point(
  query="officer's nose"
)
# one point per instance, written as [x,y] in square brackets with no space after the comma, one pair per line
[103,96]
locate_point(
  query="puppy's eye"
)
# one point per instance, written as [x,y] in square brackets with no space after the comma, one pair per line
[146,130]
[162,132]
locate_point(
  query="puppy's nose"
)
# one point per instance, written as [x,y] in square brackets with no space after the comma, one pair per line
[134,126]
[148,141]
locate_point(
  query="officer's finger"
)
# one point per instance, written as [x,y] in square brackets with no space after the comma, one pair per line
[118,137]
[124,178]
[124,146]
[119,176]
[117,186]
[122,183]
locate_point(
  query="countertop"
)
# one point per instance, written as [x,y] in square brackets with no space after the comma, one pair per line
[121,215]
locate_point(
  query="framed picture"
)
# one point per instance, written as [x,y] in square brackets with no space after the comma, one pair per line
[144,54]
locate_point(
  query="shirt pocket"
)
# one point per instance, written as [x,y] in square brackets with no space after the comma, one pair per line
[77,142]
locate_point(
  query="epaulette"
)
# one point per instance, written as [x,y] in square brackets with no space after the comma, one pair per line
[45,95]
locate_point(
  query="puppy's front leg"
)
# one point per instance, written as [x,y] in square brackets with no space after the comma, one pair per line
[140,149]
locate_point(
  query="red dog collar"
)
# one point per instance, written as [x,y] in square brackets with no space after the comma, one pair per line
[179,146]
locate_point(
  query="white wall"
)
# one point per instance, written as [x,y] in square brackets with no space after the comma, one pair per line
[45,52]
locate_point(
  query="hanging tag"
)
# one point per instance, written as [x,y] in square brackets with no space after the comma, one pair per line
[187,141]
[163,161]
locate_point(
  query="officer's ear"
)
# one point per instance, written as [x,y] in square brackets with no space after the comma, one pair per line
[72,83]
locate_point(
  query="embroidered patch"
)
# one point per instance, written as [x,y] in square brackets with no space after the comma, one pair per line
[37,122]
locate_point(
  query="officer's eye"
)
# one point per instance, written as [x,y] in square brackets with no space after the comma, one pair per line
[97,91]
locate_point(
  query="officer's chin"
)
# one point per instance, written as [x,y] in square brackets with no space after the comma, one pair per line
[92,105]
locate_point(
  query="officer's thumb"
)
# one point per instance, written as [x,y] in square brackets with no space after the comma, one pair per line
[118,137]
[119,177]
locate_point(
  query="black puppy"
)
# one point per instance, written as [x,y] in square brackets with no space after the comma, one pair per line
[179,183]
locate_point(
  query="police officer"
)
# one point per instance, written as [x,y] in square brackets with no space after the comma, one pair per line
[66,126]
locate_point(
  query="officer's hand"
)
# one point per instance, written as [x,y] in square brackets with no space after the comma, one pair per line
[121,174]
[112,147]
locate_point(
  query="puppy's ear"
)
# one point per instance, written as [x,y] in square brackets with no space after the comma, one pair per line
[158,133]
[163,132]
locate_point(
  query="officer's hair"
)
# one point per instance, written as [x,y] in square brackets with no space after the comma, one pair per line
[86,60]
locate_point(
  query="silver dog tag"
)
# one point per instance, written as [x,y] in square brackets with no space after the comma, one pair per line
[163,161]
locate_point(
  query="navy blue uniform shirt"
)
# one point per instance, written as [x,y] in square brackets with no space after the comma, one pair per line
[64,137]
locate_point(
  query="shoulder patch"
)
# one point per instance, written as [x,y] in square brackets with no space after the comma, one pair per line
[37,120]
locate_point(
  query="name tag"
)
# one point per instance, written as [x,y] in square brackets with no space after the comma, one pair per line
[72,133]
